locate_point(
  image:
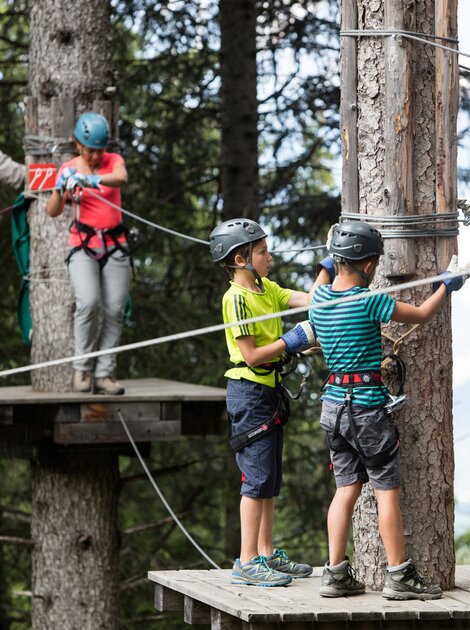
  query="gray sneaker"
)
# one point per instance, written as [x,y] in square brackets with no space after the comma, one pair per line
[108,385]
[81,381]
[340,581]
[407,583]
[280,562]
[256,572]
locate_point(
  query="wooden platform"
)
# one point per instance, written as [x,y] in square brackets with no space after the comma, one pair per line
[207,597]
[154,410]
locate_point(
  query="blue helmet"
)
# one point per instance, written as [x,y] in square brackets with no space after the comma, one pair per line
[92,130]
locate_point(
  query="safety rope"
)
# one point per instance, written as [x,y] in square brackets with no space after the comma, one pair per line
[396,342]
[391,32]
[160,493]
[393,226]
[221,327]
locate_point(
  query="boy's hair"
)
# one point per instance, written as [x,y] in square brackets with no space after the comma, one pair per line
[242,250]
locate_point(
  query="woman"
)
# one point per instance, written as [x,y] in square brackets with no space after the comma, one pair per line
[98,259]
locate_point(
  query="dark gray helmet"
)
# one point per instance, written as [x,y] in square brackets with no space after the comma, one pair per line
[355,240]
[232,234]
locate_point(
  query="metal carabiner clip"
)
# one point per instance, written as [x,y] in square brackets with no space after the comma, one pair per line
[395,403]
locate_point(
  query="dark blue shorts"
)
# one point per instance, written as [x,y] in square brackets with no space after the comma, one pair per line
[250,404]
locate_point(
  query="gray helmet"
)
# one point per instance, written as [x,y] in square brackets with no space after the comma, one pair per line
[355,240]
[232,234]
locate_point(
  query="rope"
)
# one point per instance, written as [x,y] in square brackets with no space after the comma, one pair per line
[160,494]
[154,225]
[396,342]
[395,224]
[420,37]
[221,327]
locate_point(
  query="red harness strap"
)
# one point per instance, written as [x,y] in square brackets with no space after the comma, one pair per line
[364,379]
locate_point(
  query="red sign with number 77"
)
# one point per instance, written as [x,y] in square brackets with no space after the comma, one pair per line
[41,176]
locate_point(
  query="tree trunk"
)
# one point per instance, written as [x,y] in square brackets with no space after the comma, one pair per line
[385,186]
[75,561]
[239,109]
[69,69]
[75,578]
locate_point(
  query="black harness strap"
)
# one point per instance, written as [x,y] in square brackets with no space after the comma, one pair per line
[132,241]
[349,381]
[277,420]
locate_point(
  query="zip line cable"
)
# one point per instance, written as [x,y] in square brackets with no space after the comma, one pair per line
[220,327]
[161,495]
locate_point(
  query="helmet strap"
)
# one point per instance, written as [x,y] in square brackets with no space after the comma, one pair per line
[367,276]
[249,267]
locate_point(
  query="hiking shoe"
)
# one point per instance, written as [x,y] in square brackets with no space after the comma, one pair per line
[81,381]
[407,583]
[340,581]
[108,385]
[280,562]
[256,572]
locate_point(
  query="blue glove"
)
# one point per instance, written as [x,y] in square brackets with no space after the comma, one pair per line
[84,181]
[452,284]
[300,338]
[63,179]
[329,265]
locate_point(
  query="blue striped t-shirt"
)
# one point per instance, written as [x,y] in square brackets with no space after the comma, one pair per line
[349,334]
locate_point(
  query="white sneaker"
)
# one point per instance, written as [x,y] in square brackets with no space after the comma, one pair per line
[81,381]
[108,385]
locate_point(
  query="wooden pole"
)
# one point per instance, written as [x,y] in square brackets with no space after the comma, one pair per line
[400,254]
[405,161]
[348,107]
[447,92]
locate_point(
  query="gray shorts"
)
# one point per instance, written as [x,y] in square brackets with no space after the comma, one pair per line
[375,431]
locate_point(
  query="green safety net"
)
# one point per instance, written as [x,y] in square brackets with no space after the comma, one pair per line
[20,242]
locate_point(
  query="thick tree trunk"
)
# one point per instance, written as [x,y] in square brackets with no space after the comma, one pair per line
[75,561]
[426,423]
[70,58]
[74,497]
[239,109]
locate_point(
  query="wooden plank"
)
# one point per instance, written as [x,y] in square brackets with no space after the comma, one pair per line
[300,606]
[399,259]
[196,612]
[217,593]
[457,609]
[167,600]
[348,108]
[131,411]
[63,116]
[6,415]
[447,105]
[112,432]
[223,621]
[145,389]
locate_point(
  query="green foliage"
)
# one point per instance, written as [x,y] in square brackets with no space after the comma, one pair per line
[166,58]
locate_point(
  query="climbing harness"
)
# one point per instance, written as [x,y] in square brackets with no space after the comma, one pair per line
[281,415]
[133,237]
[367,378]
[276,421]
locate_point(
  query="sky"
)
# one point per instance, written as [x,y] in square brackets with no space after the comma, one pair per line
[461,326]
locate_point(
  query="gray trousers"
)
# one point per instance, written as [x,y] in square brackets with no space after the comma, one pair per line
[100,300]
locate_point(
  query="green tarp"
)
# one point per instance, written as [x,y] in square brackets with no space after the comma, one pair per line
[20,242]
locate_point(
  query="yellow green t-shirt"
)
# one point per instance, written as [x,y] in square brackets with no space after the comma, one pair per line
[240,303]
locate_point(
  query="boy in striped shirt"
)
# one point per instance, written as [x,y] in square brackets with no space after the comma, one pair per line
[360,433]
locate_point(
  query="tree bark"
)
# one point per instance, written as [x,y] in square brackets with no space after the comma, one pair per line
[70,58]
[74,528]
[74,497]
[239,178]
[426,423]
